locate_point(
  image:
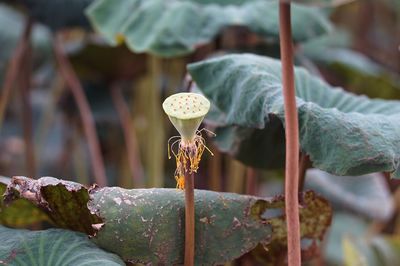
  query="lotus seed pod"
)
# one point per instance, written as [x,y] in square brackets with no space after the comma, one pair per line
[186,112]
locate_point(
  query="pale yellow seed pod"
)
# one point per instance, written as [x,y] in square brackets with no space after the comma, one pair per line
[186,112]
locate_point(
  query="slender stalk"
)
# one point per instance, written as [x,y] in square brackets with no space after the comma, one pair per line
[13,68]
[189,219]
[292,136]
[251,181]
[304,165]
[72,81]
[130,136]
[24,84]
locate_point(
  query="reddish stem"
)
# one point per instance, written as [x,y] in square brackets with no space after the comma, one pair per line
[24,83]
[292,136]
[251,181]
[13,69]
[189,219]
[305,164]
[130,136]
[89,126]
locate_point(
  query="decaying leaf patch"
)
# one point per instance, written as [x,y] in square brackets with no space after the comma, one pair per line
[21,213]
[64,202]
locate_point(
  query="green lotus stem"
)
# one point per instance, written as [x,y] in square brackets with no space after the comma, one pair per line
[186,112]
[291,135]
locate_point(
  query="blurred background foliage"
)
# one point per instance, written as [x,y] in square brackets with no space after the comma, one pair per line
[123,60]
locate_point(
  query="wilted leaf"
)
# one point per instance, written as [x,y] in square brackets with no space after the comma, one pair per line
[147,225]
[65,202]
[21,212]
[312,230]
[343,134]
[51,247]
[177,27]
[368,194]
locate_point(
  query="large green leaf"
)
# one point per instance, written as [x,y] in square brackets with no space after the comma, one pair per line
[344,134]
[367,194]
[51,247]
[177,27]
[147,225]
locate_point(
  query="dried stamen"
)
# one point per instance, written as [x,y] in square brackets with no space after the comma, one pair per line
[188,157]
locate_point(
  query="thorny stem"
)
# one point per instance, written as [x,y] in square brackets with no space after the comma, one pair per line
[13,68]
[24,83]
[130,136]
[89,127]
[189,219]
[291,135]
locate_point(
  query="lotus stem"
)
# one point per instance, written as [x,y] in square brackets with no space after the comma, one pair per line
[186,111]
[251,181]
[13,68]
[72,81]
[189,220]
[130,136]
[305,164]
[291,135]
[25,84]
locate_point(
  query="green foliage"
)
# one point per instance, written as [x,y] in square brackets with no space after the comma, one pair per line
[147,225]
[344,134]
[51,247]
[177,27]
[368,195]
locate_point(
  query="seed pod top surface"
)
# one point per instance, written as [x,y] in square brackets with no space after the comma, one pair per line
[186,106]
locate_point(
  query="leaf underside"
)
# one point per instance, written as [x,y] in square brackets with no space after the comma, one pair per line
[177,27]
